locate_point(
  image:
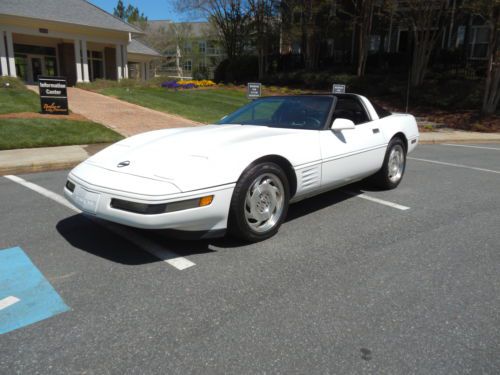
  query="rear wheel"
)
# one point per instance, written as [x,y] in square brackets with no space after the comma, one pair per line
[393,169]
[260,203]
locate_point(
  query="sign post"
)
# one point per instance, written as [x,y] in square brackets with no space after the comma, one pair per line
[254,90]
[53,95]
[338,89]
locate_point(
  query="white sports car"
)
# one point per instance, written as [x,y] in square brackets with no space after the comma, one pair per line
[241,174]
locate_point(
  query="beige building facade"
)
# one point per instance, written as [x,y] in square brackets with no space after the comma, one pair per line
[73,39]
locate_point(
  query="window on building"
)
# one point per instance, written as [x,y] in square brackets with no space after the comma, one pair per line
[202,46]
[480,36]
[21,66]
[460,36]
[96,64]
[50,66]
[187,47]
[374,43]
[188,65]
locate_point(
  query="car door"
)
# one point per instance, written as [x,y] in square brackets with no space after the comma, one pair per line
[351,154]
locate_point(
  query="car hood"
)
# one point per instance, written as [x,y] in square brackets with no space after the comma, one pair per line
[195,158]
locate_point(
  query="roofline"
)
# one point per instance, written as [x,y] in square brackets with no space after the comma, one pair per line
[70,23]
[119,19]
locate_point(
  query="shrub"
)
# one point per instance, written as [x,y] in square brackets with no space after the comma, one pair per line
[241,69]
[200,73]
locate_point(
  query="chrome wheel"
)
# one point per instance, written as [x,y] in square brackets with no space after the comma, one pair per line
[264,202]
[396,163]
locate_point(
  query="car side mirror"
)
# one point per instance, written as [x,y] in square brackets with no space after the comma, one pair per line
[342,124]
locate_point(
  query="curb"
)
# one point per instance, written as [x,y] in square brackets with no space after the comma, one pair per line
[458,141]
[34,168]
[30,166]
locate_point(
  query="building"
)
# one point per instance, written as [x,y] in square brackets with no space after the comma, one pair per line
[70,38]
[190,49]
[464,38]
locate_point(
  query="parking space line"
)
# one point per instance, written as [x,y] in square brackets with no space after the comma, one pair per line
[482,147]
[142,242]
[377,200]
[454,165]
[9,301]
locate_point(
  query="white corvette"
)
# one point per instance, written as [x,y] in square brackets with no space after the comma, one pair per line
[242,173]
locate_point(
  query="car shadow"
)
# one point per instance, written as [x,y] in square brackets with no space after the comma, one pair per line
[87,234]
[102,238]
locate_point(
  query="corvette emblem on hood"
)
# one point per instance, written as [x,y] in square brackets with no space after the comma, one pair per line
[123,164]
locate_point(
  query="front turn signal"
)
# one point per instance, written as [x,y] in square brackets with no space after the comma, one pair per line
[205,201]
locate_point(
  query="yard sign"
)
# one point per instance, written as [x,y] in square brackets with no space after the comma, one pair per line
[53,95]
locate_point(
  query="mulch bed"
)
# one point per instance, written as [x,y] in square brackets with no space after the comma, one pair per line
[24,115]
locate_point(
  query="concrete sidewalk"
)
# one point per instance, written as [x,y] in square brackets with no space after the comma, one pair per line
[28,160]
[447,135]
[54,158]
[123,117]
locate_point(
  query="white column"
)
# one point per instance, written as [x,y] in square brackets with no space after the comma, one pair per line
[3,55]
[10,53]
[119,62]
[125,61]
[78,61]
[85,63]
[143,71]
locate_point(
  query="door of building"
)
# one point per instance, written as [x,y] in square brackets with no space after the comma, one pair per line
[36,64]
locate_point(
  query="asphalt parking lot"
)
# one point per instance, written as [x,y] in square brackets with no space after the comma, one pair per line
[394,282]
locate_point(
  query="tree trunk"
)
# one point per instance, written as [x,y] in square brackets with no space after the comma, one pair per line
[365,27]
[261,63]
[492,88]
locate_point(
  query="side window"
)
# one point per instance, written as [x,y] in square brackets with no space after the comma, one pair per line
[381,112]
[351,109]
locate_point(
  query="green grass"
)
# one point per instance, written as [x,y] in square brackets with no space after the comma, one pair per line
[200,105]
[17,98]
[28,133]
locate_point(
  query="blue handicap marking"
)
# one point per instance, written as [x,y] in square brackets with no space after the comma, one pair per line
[26,297]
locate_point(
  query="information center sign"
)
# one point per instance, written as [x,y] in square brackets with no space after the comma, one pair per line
[53,95]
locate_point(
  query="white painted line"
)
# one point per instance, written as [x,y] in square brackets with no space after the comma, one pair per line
[9,301]
[142,242]
[40,190]
[455,165]
[482,147]
[377,200]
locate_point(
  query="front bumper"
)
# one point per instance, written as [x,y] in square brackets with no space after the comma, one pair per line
[96,200]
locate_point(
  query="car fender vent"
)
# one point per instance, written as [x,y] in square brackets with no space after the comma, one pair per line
[310,177]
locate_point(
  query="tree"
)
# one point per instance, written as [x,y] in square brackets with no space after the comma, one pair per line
[119,11]
[364,19]
[263,22]
[130,14]
[231,17]
[490,11]
[311,20]
[427,19]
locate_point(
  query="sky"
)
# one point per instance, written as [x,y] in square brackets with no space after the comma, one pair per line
[153,9]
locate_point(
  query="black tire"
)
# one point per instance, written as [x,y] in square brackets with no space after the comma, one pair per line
[239,226]
[385,178]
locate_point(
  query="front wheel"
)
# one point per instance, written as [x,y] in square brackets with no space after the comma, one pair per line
[393,169]
[260,203]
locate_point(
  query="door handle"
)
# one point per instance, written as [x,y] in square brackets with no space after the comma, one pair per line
[375,131]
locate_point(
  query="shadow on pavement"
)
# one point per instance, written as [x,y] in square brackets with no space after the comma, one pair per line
[87,234]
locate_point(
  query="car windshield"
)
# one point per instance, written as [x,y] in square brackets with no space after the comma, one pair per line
[292,112]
